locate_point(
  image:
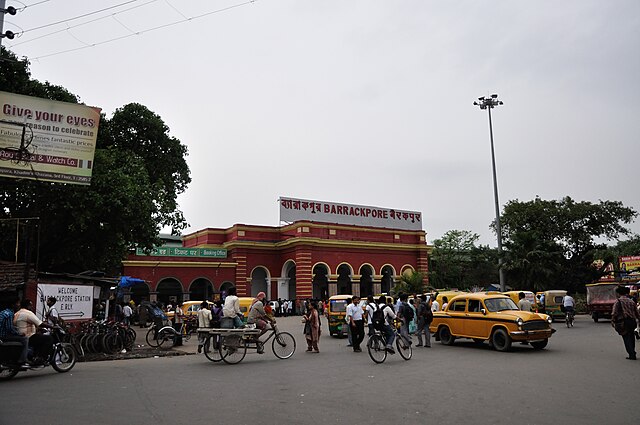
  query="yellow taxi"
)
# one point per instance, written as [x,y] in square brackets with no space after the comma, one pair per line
[490,317]
[189,308]
[245,305]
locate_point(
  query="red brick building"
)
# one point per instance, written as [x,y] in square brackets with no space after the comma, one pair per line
[298,260]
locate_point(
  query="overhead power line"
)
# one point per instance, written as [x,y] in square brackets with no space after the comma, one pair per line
[67,28]
[193,18]
[80,16]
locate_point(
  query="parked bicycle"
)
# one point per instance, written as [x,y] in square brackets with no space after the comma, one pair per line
[165,337]
[377,346]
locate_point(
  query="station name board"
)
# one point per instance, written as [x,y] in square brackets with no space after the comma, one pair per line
[292,209]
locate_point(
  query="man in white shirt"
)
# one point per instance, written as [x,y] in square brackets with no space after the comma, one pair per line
[204,321]
[435,305]
[569,303]
[231,308]
[371,307]
[523,303]
[354,312]
[52,314]
[127,312]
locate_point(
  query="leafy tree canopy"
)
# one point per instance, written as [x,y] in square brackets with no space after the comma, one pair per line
[458,262]
[138,172]
[552,244]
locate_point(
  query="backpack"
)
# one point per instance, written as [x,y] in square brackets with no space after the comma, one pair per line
[377,318]
[407,312]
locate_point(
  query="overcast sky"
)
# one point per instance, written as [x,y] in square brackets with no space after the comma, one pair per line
[365,102]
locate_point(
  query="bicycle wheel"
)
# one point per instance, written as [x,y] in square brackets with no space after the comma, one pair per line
[151,341]
[212,348]
[77,346]
[166,337]
[232,348]
[129,339]
[64,357]
[568,320]
[112,343]
[404,348]
[377,349]
[283,345]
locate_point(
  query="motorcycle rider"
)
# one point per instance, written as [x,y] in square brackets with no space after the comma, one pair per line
[8,332]
[27,323]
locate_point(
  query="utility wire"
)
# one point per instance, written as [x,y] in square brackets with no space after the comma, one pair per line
[82,24]
[193,18]
[80,16]
[29,5]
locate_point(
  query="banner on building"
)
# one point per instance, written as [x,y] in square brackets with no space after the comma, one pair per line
[166,251]
[43,139]
[292,209]
[630,267]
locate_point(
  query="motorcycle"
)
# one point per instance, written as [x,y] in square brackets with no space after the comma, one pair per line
[62,358]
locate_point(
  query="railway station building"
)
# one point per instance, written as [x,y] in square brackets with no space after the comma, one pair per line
[324,249]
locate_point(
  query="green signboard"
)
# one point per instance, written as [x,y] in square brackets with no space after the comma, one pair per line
[166,251]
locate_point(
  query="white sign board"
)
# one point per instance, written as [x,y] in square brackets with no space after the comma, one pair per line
[292,209]
[74,301]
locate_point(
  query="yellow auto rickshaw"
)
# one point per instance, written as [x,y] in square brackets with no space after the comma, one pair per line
[553,303]
[336,313]
[528,295]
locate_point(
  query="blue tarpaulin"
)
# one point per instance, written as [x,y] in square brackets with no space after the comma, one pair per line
[128,281]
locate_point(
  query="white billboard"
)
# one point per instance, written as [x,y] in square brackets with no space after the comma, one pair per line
[74,301]
[292,209]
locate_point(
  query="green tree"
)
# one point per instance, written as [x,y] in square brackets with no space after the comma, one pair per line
[410,283]
[553,244]
[457,262]
[138,172]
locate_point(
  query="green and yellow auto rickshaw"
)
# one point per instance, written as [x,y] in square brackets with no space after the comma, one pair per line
[336,313]
[553,303]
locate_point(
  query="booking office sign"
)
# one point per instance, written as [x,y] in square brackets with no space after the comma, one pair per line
[47,140]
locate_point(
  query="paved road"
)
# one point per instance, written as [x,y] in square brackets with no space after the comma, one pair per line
[579,379]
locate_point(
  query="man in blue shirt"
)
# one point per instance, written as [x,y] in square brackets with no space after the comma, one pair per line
[8,332]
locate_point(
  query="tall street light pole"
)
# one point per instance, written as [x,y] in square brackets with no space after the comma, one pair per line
[489,103]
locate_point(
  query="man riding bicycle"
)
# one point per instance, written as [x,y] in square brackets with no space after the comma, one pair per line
[259,317]
[569,304]
[389,317]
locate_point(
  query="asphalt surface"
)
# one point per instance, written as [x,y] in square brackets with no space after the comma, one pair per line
[581,378]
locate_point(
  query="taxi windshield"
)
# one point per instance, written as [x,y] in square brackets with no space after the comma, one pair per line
[500,304]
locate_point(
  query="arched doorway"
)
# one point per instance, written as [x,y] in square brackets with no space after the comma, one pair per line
[259,278]
[139,292]
[169,291]
[366,281]
[290,274]
[201,289]
[344,279]
[387,279]
[320,282]
[224,288]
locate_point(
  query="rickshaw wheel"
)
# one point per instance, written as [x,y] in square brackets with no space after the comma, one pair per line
[232,349]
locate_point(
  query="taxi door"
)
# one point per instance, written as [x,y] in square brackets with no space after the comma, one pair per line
[475,325]
[456,310]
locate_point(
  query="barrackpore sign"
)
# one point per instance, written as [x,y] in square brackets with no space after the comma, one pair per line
[292,209]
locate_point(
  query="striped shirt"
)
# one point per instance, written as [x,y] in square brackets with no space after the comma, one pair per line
[624,308]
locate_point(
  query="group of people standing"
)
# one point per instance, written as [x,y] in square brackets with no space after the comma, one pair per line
[413,314]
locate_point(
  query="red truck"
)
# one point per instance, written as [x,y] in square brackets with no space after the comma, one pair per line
[600,299]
